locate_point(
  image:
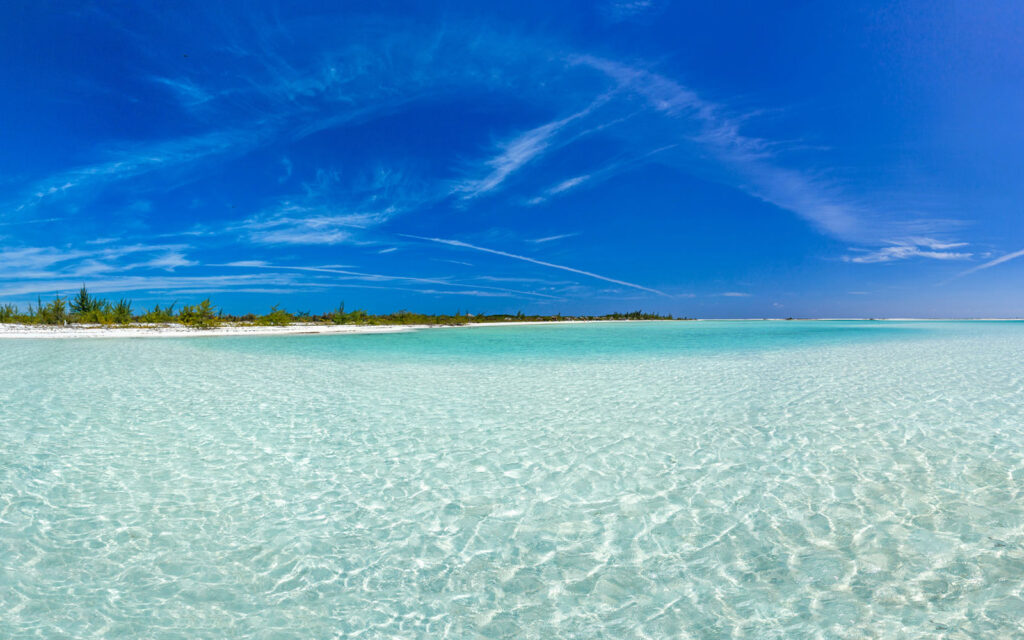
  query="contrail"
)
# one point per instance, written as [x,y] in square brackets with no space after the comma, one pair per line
[466,245]
[992,263]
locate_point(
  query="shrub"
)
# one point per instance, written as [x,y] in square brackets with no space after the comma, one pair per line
[156,315]
[200,316]
[53,313]
[121,313]
[8,313]
[340,316]
[276,318]
[86,306]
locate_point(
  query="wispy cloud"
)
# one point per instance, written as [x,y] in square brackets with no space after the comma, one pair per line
[517,152]
[911,248]
[734,294]
[561,187]
[286,163]
[992,263]
[14,261]
[936,245]
[14,223]
[329,211]
[529,280]
[561,236]
[146,283]
[25,263]
[168,261]
[187,92]
[750,161]
[136,161]
[568,184]
[311,229]
[663,93]
[599,175]
[284,96]
[382,277]
[625,10]
[464,245]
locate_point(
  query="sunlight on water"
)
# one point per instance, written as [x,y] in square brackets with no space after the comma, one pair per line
[703,480]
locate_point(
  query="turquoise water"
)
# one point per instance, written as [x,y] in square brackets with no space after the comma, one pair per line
[634,480]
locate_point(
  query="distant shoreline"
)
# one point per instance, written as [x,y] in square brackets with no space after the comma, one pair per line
[79,331]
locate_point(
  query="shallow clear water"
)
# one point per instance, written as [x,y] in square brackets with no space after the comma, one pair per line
[703,480]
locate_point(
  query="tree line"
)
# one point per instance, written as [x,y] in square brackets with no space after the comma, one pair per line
[85,308]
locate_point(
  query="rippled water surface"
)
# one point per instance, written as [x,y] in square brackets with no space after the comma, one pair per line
[658,480]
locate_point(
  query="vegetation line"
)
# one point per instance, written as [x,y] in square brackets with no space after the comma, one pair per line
[84,308]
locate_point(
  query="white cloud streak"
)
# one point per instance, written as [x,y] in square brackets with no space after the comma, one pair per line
[748,159]
[561,187]
[298,224]
[620,10]
[568,184]
[992,263]
[330,212]
[26,263]
[144,283]
[130,163]
[519,151]
[188,93]
[168,261]
[560,236]
[596,176]
[464,245]
[379,277]
[910,248]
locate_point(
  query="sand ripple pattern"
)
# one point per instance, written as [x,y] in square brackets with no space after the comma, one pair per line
[497,483]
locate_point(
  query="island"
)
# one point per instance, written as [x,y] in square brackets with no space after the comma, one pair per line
[87,315]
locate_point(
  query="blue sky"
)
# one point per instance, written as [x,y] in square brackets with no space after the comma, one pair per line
[730,159]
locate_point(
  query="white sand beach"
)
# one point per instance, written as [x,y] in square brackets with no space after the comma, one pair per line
[71,331]
[180,331]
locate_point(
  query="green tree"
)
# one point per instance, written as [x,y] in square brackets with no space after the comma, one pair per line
[156,315]
[276,317]
[121,313]
[55,312]
[200,316]
[8,313]
[83,304]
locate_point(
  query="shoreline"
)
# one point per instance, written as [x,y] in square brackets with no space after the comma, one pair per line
[77,331]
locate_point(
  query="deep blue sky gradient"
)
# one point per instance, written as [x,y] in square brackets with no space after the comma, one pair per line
[730,159]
